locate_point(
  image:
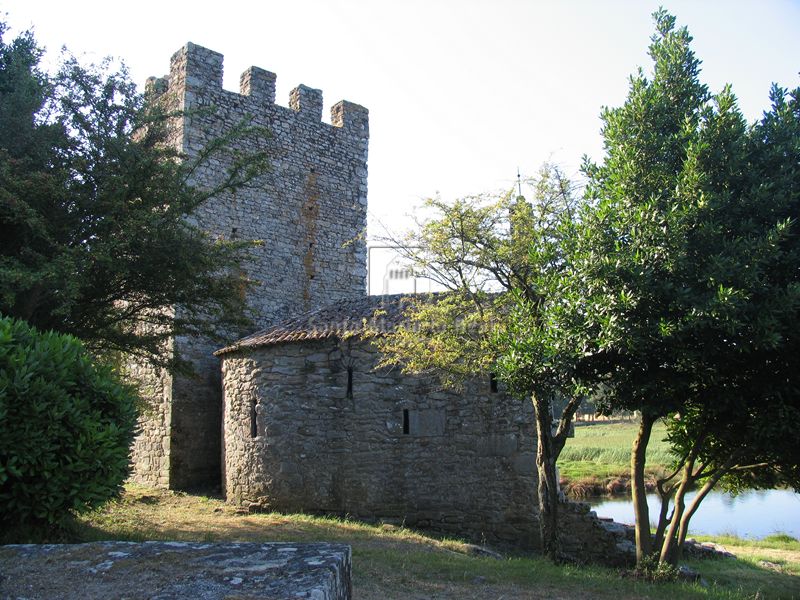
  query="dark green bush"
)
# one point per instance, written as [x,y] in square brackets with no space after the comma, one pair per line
[66,425]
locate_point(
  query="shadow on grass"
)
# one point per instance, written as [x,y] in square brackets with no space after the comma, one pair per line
[393,562]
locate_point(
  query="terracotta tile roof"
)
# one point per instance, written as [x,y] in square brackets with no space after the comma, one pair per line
[333,320]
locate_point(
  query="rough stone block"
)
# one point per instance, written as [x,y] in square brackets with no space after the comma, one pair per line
[258,83]
[427,422]
[167,570]
[497,445]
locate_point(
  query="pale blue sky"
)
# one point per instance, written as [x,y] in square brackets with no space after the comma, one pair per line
[460,93]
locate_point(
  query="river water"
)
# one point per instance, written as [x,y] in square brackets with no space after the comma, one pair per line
[753,514]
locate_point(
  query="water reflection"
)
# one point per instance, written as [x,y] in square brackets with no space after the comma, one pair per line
[753,514]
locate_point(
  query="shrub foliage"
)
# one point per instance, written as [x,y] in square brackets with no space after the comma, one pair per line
[66,425]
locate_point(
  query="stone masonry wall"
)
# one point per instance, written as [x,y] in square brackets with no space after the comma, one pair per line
[309,210]
[151,448]
[150,453]
[388,447]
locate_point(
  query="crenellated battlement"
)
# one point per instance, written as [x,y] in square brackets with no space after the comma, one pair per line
[198,70]
[350,114]
[194,67]
[156,86]
[258,84]
[307,101]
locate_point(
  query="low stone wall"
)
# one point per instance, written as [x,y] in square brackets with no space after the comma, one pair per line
[586,538]
[167,570]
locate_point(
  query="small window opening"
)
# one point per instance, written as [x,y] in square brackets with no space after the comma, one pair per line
[406,423]
[493,383]
[349,383]
[253,420]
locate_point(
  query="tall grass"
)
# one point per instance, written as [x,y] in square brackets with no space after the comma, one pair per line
[602,450]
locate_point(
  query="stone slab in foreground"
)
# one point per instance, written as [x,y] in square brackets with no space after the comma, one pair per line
[162,570]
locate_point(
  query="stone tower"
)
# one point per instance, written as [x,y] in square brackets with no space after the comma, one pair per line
[310,212]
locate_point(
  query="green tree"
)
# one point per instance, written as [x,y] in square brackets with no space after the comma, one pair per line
[686,266]
[501,260]
[93,212]
[736,428]
[66,427]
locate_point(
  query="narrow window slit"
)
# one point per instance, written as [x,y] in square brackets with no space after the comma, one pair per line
[493,383]
[253,419]
[406,423]
[349,394]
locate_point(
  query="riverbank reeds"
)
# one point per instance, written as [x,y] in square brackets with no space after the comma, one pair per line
[597,460]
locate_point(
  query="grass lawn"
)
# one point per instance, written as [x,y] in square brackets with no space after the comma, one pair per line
[393,563]
[597,460]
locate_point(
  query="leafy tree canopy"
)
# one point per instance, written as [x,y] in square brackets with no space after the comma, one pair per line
[94,236]
[502,260]
[672,290]
[687,262]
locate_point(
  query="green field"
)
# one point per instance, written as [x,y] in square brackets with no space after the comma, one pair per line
[597,460]
[393,562]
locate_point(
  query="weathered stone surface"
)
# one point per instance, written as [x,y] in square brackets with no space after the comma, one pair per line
[705,549]
[587,538]
[309,210]
[342,436]
[390,447]
[173,570]
[151,448]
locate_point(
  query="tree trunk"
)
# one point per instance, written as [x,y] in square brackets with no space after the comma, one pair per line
[548,482]
[666,491]
[663,521]
[638,490]
[668,553]
[683,526]
[707,487]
